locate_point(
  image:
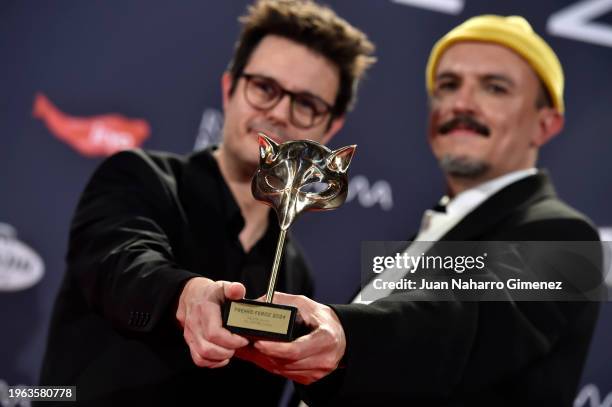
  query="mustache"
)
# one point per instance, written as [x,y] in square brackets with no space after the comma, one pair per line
[466,122]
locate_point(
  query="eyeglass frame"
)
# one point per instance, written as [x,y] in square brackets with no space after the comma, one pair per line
[292,96]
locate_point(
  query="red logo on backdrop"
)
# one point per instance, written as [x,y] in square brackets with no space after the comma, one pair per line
[92,136]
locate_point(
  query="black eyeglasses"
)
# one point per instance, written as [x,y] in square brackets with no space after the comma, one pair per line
[263,93]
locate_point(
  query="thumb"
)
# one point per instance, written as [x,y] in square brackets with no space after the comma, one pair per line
[234,291]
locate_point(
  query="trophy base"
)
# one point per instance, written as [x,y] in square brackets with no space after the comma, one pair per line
[260,320]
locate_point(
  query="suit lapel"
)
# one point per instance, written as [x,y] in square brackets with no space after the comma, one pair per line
[501,205]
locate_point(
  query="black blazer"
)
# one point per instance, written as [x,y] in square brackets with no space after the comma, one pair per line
[145,224]
[428,353]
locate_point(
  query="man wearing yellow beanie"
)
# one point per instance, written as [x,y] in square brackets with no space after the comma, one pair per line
[496,97]
[496,91]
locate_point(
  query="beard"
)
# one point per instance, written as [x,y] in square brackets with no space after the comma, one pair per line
[463,167]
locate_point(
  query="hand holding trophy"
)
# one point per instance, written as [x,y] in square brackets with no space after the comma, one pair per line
[287,172]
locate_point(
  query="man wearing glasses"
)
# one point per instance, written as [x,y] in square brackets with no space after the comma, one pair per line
[156,237]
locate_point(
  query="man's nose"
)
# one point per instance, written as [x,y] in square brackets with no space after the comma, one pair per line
[280,114]
[465,99]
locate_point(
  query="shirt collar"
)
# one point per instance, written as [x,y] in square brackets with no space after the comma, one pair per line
[469,199]
[226,206]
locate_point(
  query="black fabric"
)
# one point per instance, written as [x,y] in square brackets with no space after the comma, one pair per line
[433,353]
[145,224]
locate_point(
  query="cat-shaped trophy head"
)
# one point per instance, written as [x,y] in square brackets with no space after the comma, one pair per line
[288,171]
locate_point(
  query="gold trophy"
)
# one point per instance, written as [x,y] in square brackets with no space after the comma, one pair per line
[286,180]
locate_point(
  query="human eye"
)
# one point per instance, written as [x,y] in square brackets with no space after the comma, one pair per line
[496,88]
[306,103]
[447,85]
[265,86]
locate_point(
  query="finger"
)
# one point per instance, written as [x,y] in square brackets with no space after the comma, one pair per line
[321,363]
[206,349]
[213,331]
[233,291]
[204,319]
[287,299]
[201,361]
[301,371]
[303,347]
[307,376]
[219,364]
[296,300]
[282,298]
[197,359]
[215,334]
[214,352]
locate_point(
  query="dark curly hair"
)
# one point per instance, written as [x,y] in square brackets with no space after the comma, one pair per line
[315,26]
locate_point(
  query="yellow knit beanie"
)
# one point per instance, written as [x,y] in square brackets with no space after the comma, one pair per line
[515,33]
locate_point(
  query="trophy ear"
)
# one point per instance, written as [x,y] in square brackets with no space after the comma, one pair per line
[267,148]
[340,159]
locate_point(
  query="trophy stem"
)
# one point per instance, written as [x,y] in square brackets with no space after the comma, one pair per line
[277,258]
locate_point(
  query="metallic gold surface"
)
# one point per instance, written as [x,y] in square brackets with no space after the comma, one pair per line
[298,176]
[277,258]
[289,173]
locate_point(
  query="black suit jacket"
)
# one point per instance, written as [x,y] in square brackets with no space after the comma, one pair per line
[146,223]
[453,353]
